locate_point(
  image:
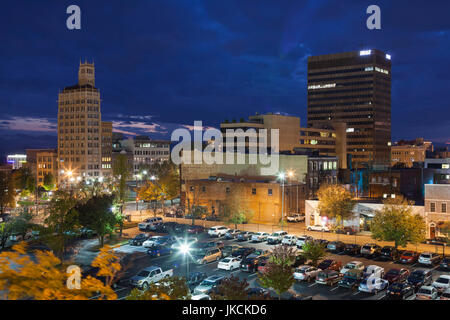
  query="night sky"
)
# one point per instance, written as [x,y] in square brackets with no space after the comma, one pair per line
[163,64]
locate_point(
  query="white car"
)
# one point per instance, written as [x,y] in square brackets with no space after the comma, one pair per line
[373,285]
[318,227]
[276,237]
[374,271]
[289,240]
[442,283]
[201,297]
[217,231]
[427,293]
[296,218]
[302,240]
[306,273]
[429,258]
[229,263]
[150,241]
[259,237]
[353,265]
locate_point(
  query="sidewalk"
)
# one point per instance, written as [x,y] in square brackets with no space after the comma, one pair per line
[300,229]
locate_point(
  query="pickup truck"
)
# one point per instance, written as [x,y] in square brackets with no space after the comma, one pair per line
[149,275]
[296,218]
[276,237]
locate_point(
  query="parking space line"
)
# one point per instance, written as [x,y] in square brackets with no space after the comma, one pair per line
[334,288]
[382,297]
[312,285]
[356,293]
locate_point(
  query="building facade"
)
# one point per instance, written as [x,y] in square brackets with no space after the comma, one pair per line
[355,88]
[80,129]
[42,162]
[437,208]
[16,160]
[106,148]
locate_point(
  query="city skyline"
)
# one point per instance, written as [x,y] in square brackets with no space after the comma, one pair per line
[167,69]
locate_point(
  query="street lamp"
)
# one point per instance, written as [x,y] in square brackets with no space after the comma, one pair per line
[282,177]
[185,249]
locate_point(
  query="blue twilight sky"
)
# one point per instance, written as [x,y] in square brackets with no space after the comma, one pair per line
[161,64]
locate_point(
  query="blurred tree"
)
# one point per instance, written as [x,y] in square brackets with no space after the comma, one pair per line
[7,191]
[171,288]
[121,174]
[335,202]
[313,251]
[49,182]
[232,289]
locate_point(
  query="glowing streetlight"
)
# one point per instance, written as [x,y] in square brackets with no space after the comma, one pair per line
[282,177]
[152,178]
[144,172]
[185,249]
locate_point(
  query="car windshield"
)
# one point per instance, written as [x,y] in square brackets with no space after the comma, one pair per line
[207,283]
[424,291]
[226,260]
[367,248]
[143,273]
[442,280]
[417,274]
[408,254]
[350,266]
[396,287]
[426,256]
[446,295]
[394,271]
[300,270]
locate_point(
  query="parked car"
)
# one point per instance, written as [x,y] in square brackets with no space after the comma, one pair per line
[351,279]
[445,295]
[200,297]
[440,241]
[206,255]
[373,271]
[276,237]
[208,285]
[259,237]
[300,260]
[353,265]
[195,278]
[420,277]
[217,231]
[244,236]
[328,277]
[301,240]
[429,258]
[212,218]
[396,275]
[232,234]
[289,240]
[318,227]
[389,253]
[296,218]
[370,250]
[346,230]
[306,273]
[427,293]
[373,285]
[442,283]
[399,291]
[409,257]
[250,263]
[150,224]
[159,250]
[323,242]
[330,264]
[259,253]
[352,249]
[258,293]
[445,264]
[336,246]
[229,249]
[139,239]
[262,266]
[165,240]
[149,275]
[229,263]
[207,245]
[166,227]
[242,252]
[194,229]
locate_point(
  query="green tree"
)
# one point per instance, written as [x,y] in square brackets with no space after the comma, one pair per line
[121,174]
[232,289]
[97,214]
[396,222]
[278,274]
[235,208]
[313,251]
[22,223]
[5,233]
[24,179]
[171,288]
[335,202]
[61,220]
[7,191]
[445,229]
[49,182]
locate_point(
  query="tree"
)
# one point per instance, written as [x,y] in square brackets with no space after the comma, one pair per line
[445,229]
[152,192]
[24,179]
[49,182]
[121,173]
[278,273]
[314,251]
[22,223]
[235,209]
[5,233]
[171,288]
[45,277]
[7,191]
[396,222]
[62,219]
[232,289]
[96,214]
[335,202]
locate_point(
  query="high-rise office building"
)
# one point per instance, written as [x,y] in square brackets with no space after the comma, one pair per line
[80,129]
[355,88]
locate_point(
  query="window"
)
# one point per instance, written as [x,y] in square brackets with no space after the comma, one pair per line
[253,190]
[191,188]
[203,189]
[444,208]
[432,207]
[269,192]
[227,189]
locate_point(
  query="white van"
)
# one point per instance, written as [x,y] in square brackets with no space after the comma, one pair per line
[150,224]
[373,271]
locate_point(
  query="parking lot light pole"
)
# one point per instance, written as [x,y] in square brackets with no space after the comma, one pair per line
[185,249]
[282,176]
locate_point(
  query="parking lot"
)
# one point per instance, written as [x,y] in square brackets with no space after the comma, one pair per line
[177,262]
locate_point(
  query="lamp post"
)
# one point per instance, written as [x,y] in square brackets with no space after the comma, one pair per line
[185,249]
[282,176]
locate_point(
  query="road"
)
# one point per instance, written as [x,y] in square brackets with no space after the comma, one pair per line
[319,292]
